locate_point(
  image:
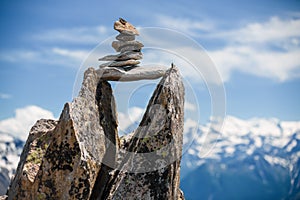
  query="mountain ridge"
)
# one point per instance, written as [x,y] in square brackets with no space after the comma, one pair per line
[250,159]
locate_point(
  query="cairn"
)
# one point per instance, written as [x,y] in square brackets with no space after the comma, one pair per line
[130,50]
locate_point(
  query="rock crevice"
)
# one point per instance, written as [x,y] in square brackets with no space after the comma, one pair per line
[80,156]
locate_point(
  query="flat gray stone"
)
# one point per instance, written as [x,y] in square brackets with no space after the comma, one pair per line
[125,37]
[135,74]
[120,63]
[121,46]
[127,55]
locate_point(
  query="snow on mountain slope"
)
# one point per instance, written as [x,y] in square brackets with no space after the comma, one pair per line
[239,135]
[257,155]
[10,151]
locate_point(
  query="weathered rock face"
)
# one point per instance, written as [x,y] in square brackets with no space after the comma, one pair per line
[80,156]
[31,158]
[150,166]
[68,167]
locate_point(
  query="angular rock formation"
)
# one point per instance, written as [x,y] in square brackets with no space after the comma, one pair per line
[69,166]
[150,165]
[34,150]
[80,156]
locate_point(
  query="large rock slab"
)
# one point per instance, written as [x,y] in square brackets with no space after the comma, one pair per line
[134,74]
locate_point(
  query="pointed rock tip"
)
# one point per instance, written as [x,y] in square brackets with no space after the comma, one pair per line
[173,69]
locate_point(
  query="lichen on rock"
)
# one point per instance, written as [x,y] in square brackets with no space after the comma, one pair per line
[67,157]
[80,156]
[150,166]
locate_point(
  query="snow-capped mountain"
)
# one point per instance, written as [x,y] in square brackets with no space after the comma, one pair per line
[10,151]
[247,159]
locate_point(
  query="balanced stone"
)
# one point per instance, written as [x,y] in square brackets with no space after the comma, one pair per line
[127,55]
[121,46]
[135,74]
[125,27]
[125,37]
[120,63]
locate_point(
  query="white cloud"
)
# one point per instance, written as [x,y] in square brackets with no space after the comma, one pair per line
[189,131]
[74,54]
[166,46]
[134,115]
[264,63]
[53,56]
[189,106]
[185,25]
[24,119]
[268,49]
[56,46]
[5,96]
[76,35]
[274,30]
[19,56]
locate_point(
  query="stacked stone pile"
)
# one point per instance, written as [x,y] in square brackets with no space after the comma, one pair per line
[129,49]
[125,65]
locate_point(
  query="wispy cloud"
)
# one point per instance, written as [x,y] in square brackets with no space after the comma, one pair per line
[74,54]
[266,49]
[276,65]
[19,55]
[5,96]
[269,48]
[56,56]
[133,116]
[189,106]
[76,35]
[164,46]
[24,119]
[185,25]
[276,31]
[63,47]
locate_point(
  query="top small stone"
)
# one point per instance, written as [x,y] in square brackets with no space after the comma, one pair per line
[125,27]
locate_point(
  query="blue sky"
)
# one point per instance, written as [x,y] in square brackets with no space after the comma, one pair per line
[254,44]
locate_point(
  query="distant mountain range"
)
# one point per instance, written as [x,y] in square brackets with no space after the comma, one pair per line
[247,159]
[10,151]
[250,159]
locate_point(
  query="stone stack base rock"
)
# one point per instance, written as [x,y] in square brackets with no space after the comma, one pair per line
[81,156]
[129,49]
